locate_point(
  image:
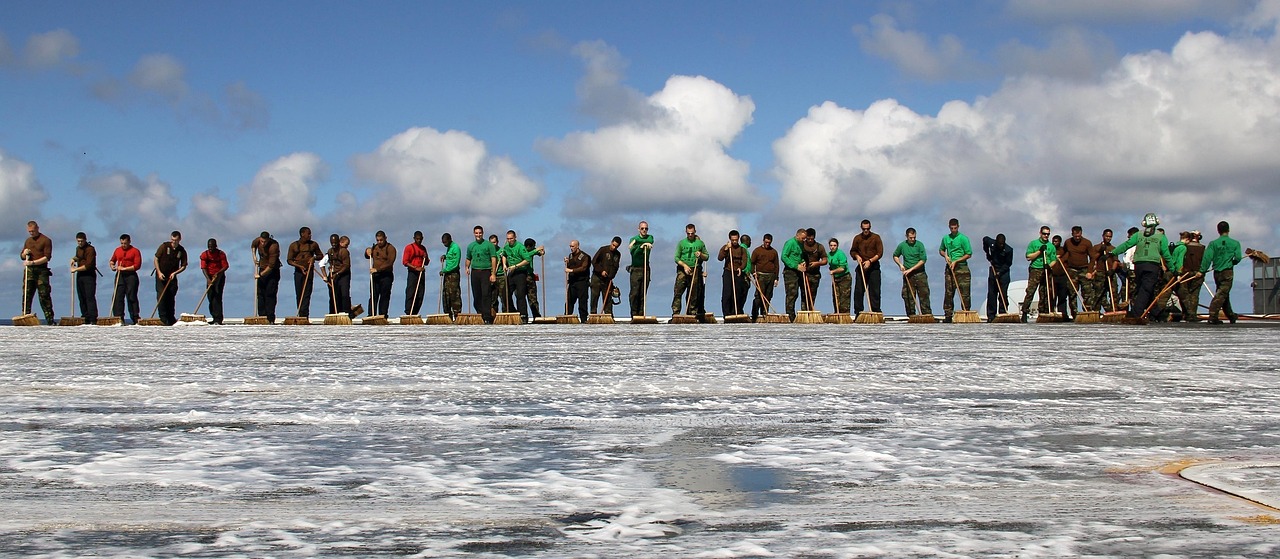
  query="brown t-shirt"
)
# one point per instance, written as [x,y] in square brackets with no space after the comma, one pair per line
[867,247]
[1077,254]
[339,261]
[303,253]
[40,247]
[384,257]
[764,260]
[87,256]
[739,257]
[268,254]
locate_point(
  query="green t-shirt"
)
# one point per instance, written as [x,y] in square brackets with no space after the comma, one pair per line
[637,249]
[479,253]
[1221,254]
[956,246]
[1047,259]
[837,260]
[911,254]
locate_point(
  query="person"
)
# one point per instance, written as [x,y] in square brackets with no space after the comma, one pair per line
[840,276]
[1221,256]
[1189,291]
[415,260]
[764,266]
[498,288]
[382,264]
[337,275]
[605,268]
[125,262]
[733,292]
[36,251]
[1125,275]
[745,243]
[266,257]
[691,252]
[639,246]
[481,262]
[910,255]
[815,257]
[867,249]
[1078,257]
[956,252]
[1096,287]
[213,262]
[1041,255]
[1150,249]
[519,266]
[1058,274]
[1000,261]
[577,269]
[451,288]
[302,255]
[85,267]
[532,249]
[170,260]
[792,266]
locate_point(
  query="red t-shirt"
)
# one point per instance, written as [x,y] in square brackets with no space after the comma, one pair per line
[131,258]
[213,262]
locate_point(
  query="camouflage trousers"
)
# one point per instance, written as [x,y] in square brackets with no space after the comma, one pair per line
[534,310]
[844,292]
[960,281]
[1163,295]
[1036,282]
[38,282]
[1075,288]
[640,279]
[498,293]
[1189,298]
[451,295]
[1094,293]
[1221,294]
[694,284]
[791,286]
[916,284]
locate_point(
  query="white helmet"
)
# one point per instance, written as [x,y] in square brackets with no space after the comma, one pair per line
[1150,221]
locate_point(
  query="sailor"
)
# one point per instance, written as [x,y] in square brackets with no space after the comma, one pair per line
[910,255]
[170,260]
[1041,255]
[956,252]
[36,251]
[1221,256]
[1150,249]
[85,267]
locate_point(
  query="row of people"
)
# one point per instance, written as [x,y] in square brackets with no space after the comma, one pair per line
[1068,275]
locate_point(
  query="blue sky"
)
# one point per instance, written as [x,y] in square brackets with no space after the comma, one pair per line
[574,119]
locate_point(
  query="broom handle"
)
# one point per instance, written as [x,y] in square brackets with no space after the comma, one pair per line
[808,294]
[163,290]
[73,293]
[1172,282]
[506,285]
[999,290]
[418,283]
[1111,290]
[835,301]
[305,281]
[956,281]
[906,277]
[1073,286]
[206,294]
[644,289]
[26,303]
[256,272]
[333,292]
[733,280]
[440,296]
[115,292]
[373,309]
[543,277]
[768,309]
[866,289]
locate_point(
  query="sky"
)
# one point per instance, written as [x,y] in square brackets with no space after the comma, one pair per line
[574,120]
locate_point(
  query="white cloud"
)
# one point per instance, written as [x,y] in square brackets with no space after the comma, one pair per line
[281,195]
[1189,134]
[914,53]
[1070,53]
[247,109]
[161,74]
[48,50]
[144,208]
[428,174]
[21,196]
[664,153]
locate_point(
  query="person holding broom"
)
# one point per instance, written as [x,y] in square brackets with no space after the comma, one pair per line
[956,252]
[519,265]
[415,260]
[451,277]
[85,267]
[792,267]
[815,257]
[640,246]
[36,251]
[266,253]
[1151,248]
[125,262]
[303,254]
[382,262]
[764,266]
[605,265]
[1077,255]
[1041,255]
[910,255]
[170,260]
[1096,287]
[841,278]
[577,269]
[1189,291]
[482,261]
[213,262]
[733,293]
[691,252]
[867,249]
[1000,261]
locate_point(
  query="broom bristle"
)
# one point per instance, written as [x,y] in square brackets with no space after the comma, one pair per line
[296,321]
[966,317]
[110,321]
[511,318]
[808,317]
[337,319]
[192,318]
[470,319]
[682,319]
[869,318]
[256,321]
[838,318]
[70,321]
[375,320]
[150,322]
[568,319]
[776,319]
[736,318]
[1088,317]
[644,320]
[921,319]
[438,319]
[1008,318]
[26,320]
[410,319]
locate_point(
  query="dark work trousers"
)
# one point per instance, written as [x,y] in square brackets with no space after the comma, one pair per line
[997,292]
[87,293]
[268,289]
[380,298]
[872,285]
[126,292]
[733,294]
[481,291]
[340,296]
[415,288]
[640,279]
[578,289]
[1147,276]
[764,292]
[215,297]
[518,284]
[166,294]
[301,293]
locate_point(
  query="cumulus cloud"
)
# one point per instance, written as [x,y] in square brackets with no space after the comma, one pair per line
[1070,53]
[1187,133]
[281,195]
[914,53]
[162,75]
[48,50]
[662,153]
[126,203]
[21,196]
[246,108]
[428,174]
